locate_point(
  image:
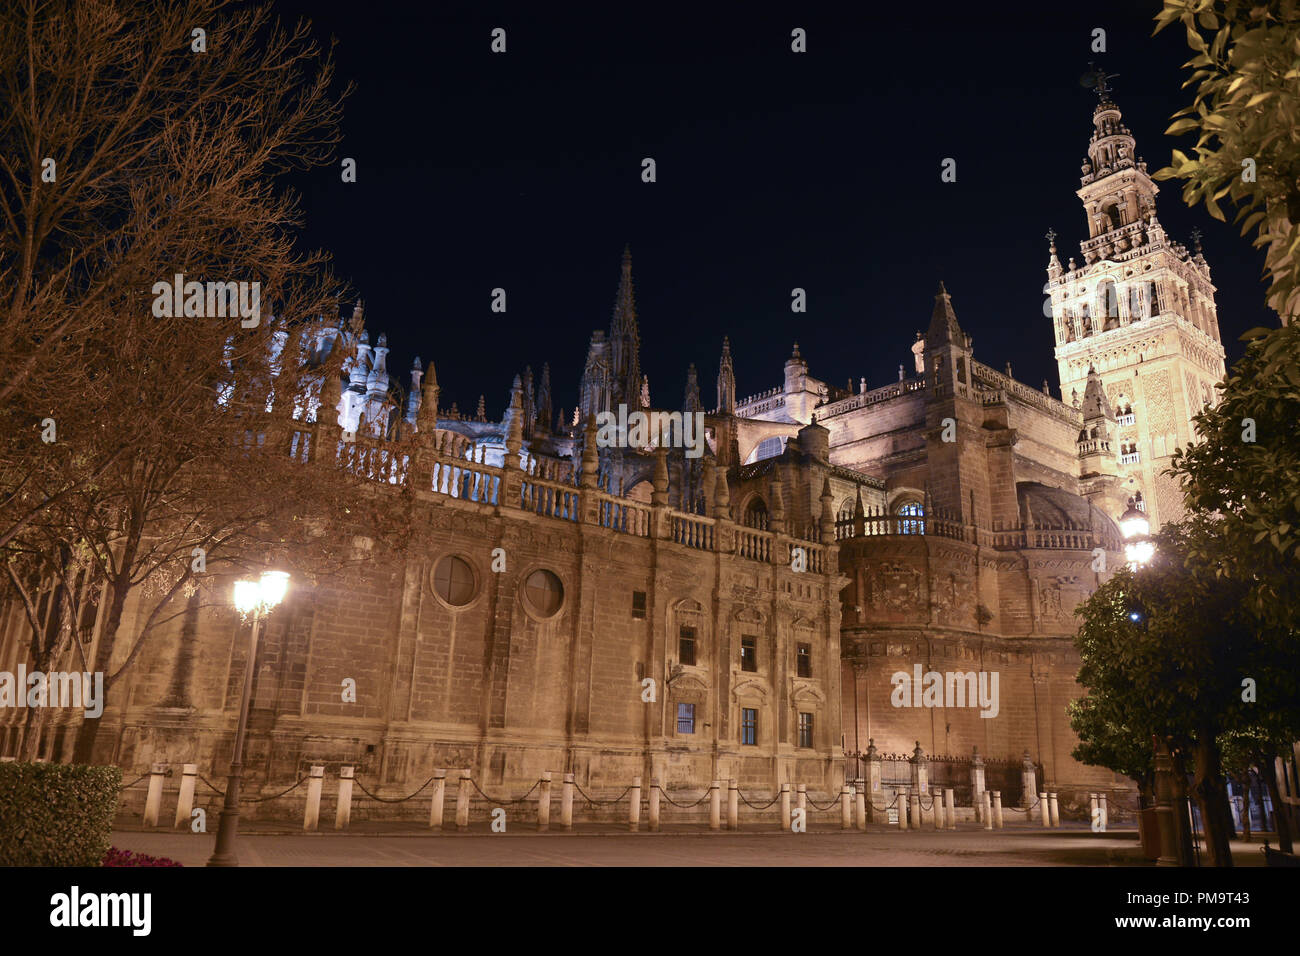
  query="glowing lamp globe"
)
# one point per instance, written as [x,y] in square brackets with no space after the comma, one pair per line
[274,586]
[1133,523]
[247,596]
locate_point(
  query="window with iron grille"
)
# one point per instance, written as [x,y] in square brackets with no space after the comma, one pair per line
[749,653]
[686,718]
[805,730]
[638,605]
[803,660]
[748,725]
[686,645]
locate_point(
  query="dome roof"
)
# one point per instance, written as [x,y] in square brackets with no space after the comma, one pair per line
[1050,507]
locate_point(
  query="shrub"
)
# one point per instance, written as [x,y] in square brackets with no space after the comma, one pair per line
[118,857]
[56,814]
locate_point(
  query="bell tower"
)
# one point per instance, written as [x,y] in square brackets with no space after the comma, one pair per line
[1139,309]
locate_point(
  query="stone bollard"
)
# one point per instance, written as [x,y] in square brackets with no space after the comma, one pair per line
[654,804]
[801,800]
[1105,811]
[185,802]
[715,809]
[315,780]
[986,806]
[861,805]
[439,799]
[462,801]
[977,783]
[1028,783]
[1093,805]
[950,805]
[936,799]
[785,807]
[566,802]
[344,815]
[916,811]
[153,798]
[1042,811]
[903,802]
[1053,808]
[997,809]
[874,789]
[733,805]
[846,811]
[544,803]
[634,807]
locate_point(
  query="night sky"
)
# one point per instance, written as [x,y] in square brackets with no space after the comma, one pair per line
[775,170]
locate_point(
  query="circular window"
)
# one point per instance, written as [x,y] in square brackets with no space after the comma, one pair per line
[453,581]
[544,593]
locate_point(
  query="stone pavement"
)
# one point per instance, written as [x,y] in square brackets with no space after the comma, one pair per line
[376,844]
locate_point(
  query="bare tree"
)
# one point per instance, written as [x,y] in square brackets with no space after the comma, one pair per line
[152,442]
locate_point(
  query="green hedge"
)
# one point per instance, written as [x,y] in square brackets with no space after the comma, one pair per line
[56,814]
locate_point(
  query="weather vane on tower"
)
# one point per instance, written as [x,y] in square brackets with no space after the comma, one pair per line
[1095,79]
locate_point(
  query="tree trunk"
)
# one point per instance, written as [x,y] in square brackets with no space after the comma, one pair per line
[1212,799]
[1269,773]
[1245,809]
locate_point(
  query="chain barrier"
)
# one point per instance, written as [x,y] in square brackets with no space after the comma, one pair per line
[208,783]
[601,803]
[812,803]
[753,806]
[361,787]
[506,803]
[301,781]
[683,806]
[136,780]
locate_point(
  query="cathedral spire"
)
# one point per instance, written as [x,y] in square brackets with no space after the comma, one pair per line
[691,401]
[944,329]
[625,341]
[726,380]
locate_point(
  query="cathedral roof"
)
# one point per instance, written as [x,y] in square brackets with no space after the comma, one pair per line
[1043,506]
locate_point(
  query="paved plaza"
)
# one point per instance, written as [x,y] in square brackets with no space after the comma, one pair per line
[681,846]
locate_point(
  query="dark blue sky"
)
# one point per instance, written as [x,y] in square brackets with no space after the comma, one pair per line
[775,170]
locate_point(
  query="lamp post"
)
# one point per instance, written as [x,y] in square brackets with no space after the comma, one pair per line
[257,598]
[1136,529]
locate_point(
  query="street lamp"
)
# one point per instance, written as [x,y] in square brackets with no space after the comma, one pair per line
[257,598]
[1136,529]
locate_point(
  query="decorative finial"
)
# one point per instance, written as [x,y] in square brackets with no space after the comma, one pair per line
[1196,240]
[1095,79]
[1051,240]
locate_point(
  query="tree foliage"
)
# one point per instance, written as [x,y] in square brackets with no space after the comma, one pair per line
[1246,112]
[1244,470]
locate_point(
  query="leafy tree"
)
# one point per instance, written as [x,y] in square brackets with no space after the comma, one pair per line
[1245,470]
[1246,112]
[1165,651]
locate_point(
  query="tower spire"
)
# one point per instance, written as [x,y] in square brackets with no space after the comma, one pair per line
[726,380]
[625,340]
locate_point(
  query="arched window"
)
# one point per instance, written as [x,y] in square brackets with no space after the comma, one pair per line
[1112,215]
[913,513]
[1153,302]
[1108,303]
[1134,303]
[768,448]
[756,515]
[1085,320]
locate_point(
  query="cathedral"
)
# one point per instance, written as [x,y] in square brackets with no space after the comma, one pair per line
[631,611]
